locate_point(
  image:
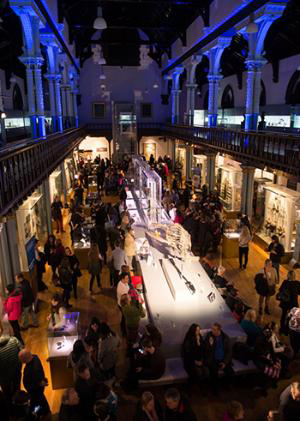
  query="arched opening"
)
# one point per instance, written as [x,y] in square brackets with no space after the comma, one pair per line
[205,101]
[292,96]
[263,96]
[227,98]
[17,98]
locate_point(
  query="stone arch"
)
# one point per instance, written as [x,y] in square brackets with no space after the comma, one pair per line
[292,95]
[263,95]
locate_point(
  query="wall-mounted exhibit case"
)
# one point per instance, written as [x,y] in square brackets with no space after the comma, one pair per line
[230,186]
[55,185]
[282,214]
[32,222]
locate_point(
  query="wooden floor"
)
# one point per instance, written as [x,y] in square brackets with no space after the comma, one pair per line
[104,306]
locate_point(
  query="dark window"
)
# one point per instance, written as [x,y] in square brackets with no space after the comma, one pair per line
[17,98]
[98,109]
[292,96]
[227,98]
[146,109]
[263,96]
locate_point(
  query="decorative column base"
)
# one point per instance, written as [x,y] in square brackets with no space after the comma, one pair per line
[41,127]
[212,120]
[251,121]
[34,126]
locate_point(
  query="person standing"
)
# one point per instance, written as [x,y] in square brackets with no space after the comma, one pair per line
[244,240]
[27,301]
[288,298]
[129,246]
[118,260]
[108,346]
[276,253]
[13,308]
[122,288]
[265,285]
[65,277]
[34,381]
[94,265]
[74,265]
[133,312]
[148,409]
[56,209]
[10,366]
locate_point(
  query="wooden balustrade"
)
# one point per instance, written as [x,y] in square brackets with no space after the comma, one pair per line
[23,166]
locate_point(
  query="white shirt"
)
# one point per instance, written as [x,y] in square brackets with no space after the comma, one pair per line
[121,290]
[172,213]
[119,258]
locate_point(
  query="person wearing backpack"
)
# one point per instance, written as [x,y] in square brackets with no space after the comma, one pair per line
[288,298]
[265,285]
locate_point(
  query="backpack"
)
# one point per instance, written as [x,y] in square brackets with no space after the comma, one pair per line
[261,284]
[284,296]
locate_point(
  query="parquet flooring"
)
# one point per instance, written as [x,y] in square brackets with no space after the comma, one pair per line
[104,306]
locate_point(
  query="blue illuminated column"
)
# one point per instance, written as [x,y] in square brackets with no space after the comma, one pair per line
[30,94]
[191,87]
[255,32]
[39,97]
[58,104]
[176,94]
[254,69]
[75,108]
[214,76]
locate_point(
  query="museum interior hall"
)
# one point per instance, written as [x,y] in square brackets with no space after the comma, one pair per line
[149,210]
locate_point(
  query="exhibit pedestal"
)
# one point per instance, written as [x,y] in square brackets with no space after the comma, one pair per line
[61,375]
[230,246]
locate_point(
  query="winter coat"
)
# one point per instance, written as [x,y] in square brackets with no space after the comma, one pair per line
[129,245]
[13,306]
[107,352]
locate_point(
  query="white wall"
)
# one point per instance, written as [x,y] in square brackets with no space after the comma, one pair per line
[94,143]
[121,85]
[161,145]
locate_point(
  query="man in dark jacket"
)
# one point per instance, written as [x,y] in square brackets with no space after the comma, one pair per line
[276,252]
[152,364]
[34,381]
[27,301]
[217,353]
[177,407]
[10,366]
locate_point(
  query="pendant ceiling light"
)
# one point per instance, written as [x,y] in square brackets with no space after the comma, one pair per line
[99,22]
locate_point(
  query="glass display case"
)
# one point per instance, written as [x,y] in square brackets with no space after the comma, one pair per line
[16,122]
[55,185]
[60,345]
[282,214]
[32,222]
[230,188]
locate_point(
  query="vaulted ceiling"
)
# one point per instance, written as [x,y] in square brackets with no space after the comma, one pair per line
[130,24]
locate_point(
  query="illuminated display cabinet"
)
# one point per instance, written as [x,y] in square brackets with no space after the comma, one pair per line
[282,214]
[60,345]
[230,179]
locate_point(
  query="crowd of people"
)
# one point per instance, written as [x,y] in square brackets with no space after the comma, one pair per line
[206,358]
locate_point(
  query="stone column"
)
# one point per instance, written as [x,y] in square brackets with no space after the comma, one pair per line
[39,96]
[190,103]
[46,193]
[30,95]
[69,102]
[189,157]
[254,69]
[58,98]
[175,106]
[247,190]
[63,104]
[213,96]
[51,81]
[210,177]
[75,108]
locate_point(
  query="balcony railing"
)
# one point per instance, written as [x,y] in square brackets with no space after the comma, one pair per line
[24,166]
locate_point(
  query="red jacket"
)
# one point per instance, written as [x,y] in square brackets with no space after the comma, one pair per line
[13,306]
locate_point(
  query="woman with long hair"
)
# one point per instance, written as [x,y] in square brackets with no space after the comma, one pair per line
[94,265]
[193,350]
